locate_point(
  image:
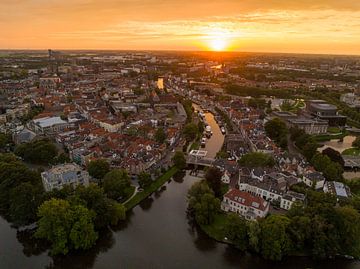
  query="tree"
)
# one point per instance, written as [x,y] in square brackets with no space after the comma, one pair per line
[309,150]
[275,242]
[190,131]
[107,211]
[213,178]
[276,129]
[356,143]
[160,135]
[66,226]
[39,151]
[116,183]
[179,160]
[334,156]
[5,139]
[144,179]
[257,159]
[254,233]
[206,209]
[98,168]
[237,231]
[24,201]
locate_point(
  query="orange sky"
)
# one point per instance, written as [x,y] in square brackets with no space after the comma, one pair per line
[315,26]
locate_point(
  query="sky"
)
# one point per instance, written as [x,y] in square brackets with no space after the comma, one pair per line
[300,26]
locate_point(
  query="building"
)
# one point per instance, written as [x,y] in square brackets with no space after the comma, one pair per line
[69,174]
[337,188]
[314,178]
[319,109]
[291,197]
[243,203]
[49,125]
[309,125]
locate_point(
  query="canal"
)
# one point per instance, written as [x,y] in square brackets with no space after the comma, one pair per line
[157,234]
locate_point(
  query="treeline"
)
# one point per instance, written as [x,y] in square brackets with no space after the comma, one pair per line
[67,218]
[321,229]
[226,118]
[258,92]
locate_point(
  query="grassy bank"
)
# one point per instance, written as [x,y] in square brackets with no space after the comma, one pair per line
[351,151]
[152,188]
[217,229]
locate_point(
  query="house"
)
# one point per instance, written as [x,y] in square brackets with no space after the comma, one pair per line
[243,203]
[337,188]
[69,174]
[314,179]
[289,198]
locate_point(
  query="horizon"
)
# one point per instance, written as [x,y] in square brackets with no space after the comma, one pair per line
[305,27]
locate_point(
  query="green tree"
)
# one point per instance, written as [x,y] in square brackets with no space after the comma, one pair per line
[39,151]
[309,150]
[334,156]
[190,131]
[213,178]
[275,242]
[276,129]
[98,168]
[206,209]
[116,184]
[160,135]
[144,179]
[236,230]
[24,201]
[254,233]
[356,143]
[257,159]
[179,160]
[66,227]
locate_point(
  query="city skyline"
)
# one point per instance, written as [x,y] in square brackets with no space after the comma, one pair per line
[327,27]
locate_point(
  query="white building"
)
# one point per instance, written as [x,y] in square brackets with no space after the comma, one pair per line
[48,125]
[64,174]
[289,198]
[314,179]
[243,203]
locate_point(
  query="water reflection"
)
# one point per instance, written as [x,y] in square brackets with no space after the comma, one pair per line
[146,204]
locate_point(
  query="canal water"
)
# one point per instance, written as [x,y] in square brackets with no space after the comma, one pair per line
[157,234]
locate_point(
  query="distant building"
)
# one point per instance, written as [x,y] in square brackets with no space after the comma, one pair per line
[64,175]
[337,188]
[324,111]
[243,203]
[309,125]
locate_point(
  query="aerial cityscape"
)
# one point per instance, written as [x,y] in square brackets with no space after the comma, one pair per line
[180,135]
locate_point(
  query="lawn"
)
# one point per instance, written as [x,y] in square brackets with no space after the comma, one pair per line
[351,151]
[334,130]
[217,229]
[152,188]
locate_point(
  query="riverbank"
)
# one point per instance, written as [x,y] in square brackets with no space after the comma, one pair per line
[140,196]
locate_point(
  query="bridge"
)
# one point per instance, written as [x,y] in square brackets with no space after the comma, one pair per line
[198,157]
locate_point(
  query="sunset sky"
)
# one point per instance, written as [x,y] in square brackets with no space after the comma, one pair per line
[305,26]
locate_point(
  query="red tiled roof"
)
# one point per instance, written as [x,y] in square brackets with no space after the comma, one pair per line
[246,199]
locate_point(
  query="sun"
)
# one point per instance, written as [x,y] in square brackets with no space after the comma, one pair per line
[218,44]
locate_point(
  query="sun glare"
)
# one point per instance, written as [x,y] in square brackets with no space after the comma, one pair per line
[218,44]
